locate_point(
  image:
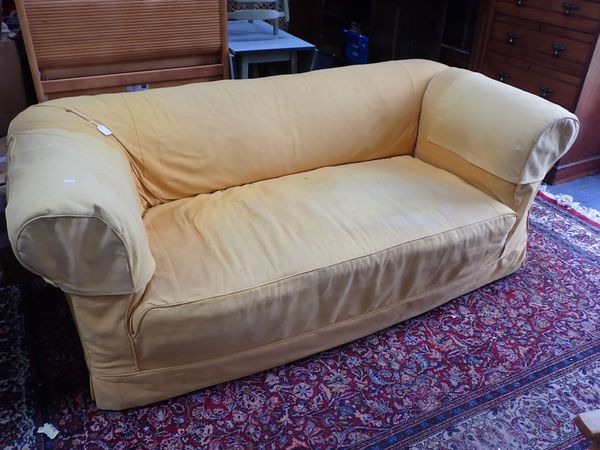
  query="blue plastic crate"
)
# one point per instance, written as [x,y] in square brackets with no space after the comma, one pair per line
[357,47]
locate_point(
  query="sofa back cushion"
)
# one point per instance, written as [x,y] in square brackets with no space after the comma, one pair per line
[194,139]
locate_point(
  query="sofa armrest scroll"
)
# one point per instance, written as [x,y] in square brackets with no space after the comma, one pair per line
[509,133]
[74,214]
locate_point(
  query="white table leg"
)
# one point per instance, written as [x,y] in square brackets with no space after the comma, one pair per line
[294,61]
[243,67]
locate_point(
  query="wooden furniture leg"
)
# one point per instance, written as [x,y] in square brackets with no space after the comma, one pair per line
[589,425]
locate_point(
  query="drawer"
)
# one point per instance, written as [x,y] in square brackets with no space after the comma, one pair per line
[565,50]
[581,15]
[532,78]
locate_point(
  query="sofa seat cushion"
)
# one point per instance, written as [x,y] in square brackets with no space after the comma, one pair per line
[257,264]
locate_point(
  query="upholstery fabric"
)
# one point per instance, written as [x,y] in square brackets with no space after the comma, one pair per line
[73,216]
[215,230]
[500,140]
[200,138]
[507,109]
[305,251]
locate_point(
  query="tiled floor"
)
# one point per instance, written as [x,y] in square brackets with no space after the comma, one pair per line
[585,190]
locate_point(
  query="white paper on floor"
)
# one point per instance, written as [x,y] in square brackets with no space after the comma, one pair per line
[49,430]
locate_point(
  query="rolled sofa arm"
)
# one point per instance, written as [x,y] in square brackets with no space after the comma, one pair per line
[513,135]
[73,211]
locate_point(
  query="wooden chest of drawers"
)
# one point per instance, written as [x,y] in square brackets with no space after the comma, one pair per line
[551,48]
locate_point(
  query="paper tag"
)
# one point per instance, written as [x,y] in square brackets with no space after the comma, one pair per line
[49,430]
[137,87]
[104,130]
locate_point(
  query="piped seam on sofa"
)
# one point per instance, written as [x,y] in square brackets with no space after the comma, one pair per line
[414,153]
[351,319]
[412,81]
[549,127]
[214,297]
[172,275]
[137,136]
[87,349]
[78,216]
[130,307]
[529,153]
[487,192]
[92,121]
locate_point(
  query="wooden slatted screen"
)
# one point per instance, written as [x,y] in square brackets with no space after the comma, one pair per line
[89,46]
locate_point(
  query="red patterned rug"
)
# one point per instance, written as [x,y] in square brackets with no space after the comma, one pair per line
[505,367]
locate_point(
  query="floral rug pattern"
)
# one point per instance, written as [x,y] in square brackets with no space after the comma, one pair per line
[17,415]
[506,366]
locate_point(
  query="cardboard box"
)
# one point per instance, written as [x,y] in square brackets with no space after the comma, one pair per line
[13,99]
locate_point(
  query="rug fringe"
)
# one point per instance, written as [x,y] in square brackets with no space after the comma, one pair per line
[567,202]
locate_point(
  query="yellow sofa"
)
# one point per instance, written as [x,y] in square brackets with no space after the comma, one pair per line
[210,231]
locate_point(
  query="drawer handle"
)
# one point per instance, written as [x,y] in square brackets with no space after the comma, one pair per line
[520,2]
[569,8]
[503,76]
[558,48]
[511,37]
[546,91]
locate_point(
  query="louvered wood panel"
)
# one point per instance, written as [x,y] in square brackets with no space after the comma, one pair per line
[107,37]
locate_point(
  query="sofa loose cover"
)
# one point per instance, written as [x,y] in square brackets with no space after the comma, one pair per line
[206,232]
